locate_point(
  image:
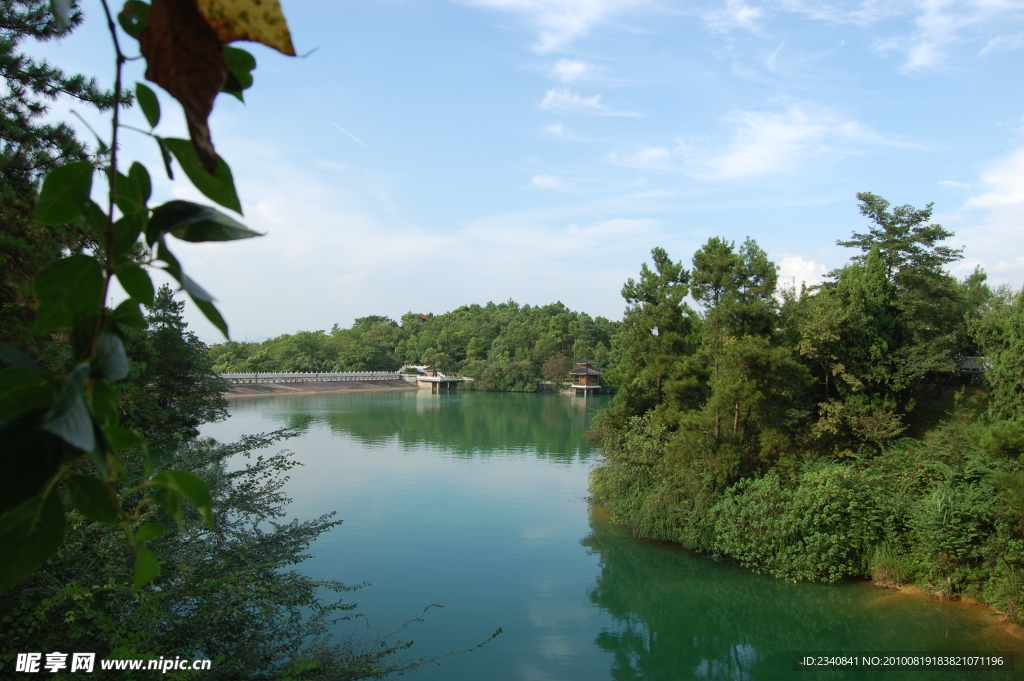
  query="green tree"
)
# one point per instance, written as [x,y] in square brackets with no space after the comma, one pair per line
[172,388]
[657,332]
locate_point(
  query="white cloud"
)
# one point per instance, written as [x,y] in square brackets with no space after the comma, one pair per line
[559,22]
[940,24]
[566,100]
[1006,43]
[566,70]
[794,271]
[653,158]
[549,182]
[766,142]
[953,184]
[994,240]
[734,14]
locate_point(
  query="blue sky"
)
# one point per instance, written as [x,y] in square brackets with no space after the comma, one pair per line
[434,153]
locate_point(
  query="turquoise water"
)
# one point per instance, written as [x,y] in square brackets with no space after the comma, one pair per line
[477,502]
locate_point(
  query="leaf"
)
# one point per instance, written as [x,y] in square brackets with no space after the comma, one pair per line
[147,567]
[126,233]
[149,531]
[217,185]
[65,288]
[68,419]
[134,17]
[260,21]
[64,191]
[30,534]
[240,65]
[105,403]
[192,487]
[184,57]
[170,501]
[29,458]
[120,438]
[16,358]
[23,390]
[211,312]
[140,176]
[129,314]
[96,218]
[165,154]
[110,361]
[93,499]
[192,222]
[136,283]
[149,104]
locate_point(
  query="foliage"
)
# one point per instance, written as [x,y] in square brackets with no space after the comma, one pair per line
[171,388]
[228,595]
[53,421]
[501,346]
[780,445]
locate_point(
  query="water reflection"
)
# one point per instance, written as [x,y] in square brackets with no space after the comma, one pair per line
[681,616]
[550,426]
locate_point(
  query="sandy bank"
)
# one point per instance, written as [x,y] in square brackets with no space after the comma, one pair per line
[257,389]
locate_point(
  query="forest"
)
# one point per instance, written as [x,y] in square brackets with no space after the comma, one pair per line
[825,433]
[501,346]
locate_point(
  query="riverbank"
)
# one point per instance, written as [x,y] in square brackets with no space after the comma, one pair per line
[272,389]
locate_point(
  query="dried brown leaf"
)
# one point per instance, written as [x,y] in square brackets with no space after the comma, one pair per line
[184,56]
[259,21]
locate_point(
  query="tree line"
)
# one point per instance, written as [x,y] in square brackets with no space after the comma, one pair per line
[824,432]
[502,346]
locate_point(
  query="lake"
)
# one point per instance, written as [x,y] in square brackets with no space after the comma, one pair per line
[478,502]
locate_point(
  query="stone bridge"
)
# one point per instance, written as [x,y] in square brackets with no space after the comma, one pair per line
[318,377]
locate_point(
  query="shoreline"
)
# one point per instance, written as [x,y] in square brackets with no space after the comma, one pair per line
[277,389]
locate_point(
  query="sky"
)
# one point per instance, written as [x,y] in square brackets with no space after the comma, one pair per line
[428,154]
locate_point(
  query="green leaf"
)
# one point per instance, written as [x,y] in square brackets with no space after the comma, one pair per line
[93,499]
[192,487]
[170,501]
[120,438]
[149,531]
[140,176]
[240,65]
[105,403]
[192,222]
[165,154]
[219,187]
[211,312]
[65,288]
[95,218]
[126,233]
[30,534]
[147,567]
[68,419]
[134,18]
[149,104]
[110,360]
[129,314]
[136,283]
[29,458]
[64,191]
[23,390]
[16,358]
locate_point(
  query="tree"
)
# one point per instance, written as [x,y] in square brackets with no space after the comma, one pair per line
[907,242]
[172,388]
[53,420]
[30,146]
[657,330]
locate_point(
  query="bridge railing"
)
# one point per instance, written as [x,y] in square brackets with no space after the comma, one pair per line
[312,377]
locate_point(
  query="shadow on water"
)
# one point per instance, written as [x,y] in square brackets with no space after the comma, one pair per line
[680,615]
[549,426]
